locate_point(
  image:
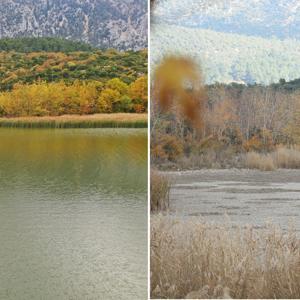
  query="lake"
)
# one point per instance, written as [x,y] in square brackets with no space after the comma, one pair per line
[243,197]
[73,214]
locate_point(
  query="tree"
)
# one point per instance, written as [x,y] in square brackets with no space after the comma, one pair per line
[107,99]
[138,91]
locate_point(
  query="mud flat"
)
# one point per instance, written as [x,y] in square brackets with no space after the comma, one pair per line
[242,196]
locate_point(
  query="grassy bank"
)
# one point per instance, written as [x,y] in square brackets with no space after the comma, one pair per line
[117,120]
[195,260]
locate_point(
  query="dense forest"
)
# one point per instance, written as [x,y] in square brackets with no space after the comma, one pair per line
[226,57]
[47,44]
[61,77]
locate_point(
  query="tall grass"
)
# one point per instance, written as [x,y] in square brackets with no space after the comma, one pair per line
[263,162]
[195,260]
[121,120]
[159,192]
[287,158]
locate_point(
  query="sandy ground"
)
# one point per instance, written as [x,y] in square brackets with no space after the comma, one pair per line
[244,196]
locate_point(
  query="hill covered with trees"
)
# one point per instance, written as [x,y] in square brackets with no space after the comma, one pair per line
[76,61]
[69,78]
[226,57]
[47,44]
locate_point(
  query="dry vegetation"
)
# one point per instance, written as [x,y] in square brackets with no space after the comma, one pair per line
[263,162]
[191,259]
[79,121]
[196,260]
[160,188]
[213,126]
[287,158]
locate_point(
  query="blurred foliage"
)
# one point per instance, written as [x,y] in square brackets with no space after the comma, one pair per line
[178,83]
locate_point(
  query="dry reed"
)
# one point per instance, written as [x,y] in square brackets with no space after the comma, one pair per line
[159,191]
[263,162]
[285,158]
[115,120]
[195,260]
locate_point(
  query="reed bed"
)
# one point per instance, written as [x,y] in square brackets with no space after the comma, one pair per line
[117,120]
[159,191]
[263,162]
[195,260]
[285,158]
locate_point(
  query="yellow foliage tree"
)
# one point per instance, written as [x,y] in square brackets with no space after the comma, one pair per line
[138,91]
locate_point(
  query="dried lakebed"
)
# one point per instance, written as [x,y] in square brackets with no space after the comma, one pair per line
[242,196]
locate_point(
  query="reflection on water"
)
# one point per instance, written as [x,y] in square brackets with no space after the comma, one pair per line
[73,214]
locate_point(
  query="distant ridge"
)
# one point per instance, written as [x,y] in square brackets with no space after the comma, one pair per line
[119,24]
[264,18]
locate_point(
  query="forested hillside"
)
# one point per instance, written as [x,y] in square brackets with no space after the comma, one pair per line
[86,81]
[17,67]
[226,57]
[30,44]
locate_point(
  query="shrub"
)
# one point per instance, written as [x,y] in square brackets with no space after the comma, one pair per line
[172,147]
[253,144]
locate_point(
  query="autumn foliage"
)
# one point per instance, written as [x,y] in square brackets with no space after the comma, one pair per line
[80,97]
[234,119]
[27,68]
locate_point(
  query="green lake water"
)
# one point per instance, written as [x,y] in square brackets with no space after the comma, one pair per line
[73,214]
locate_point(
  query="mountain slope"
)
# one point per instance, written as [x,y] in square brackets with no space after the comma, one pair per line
[265,18]
[102,23]
[228,57]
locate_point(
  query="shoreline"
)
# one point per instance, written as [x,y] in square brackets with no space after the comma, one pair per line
[114,120]
[281,175]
